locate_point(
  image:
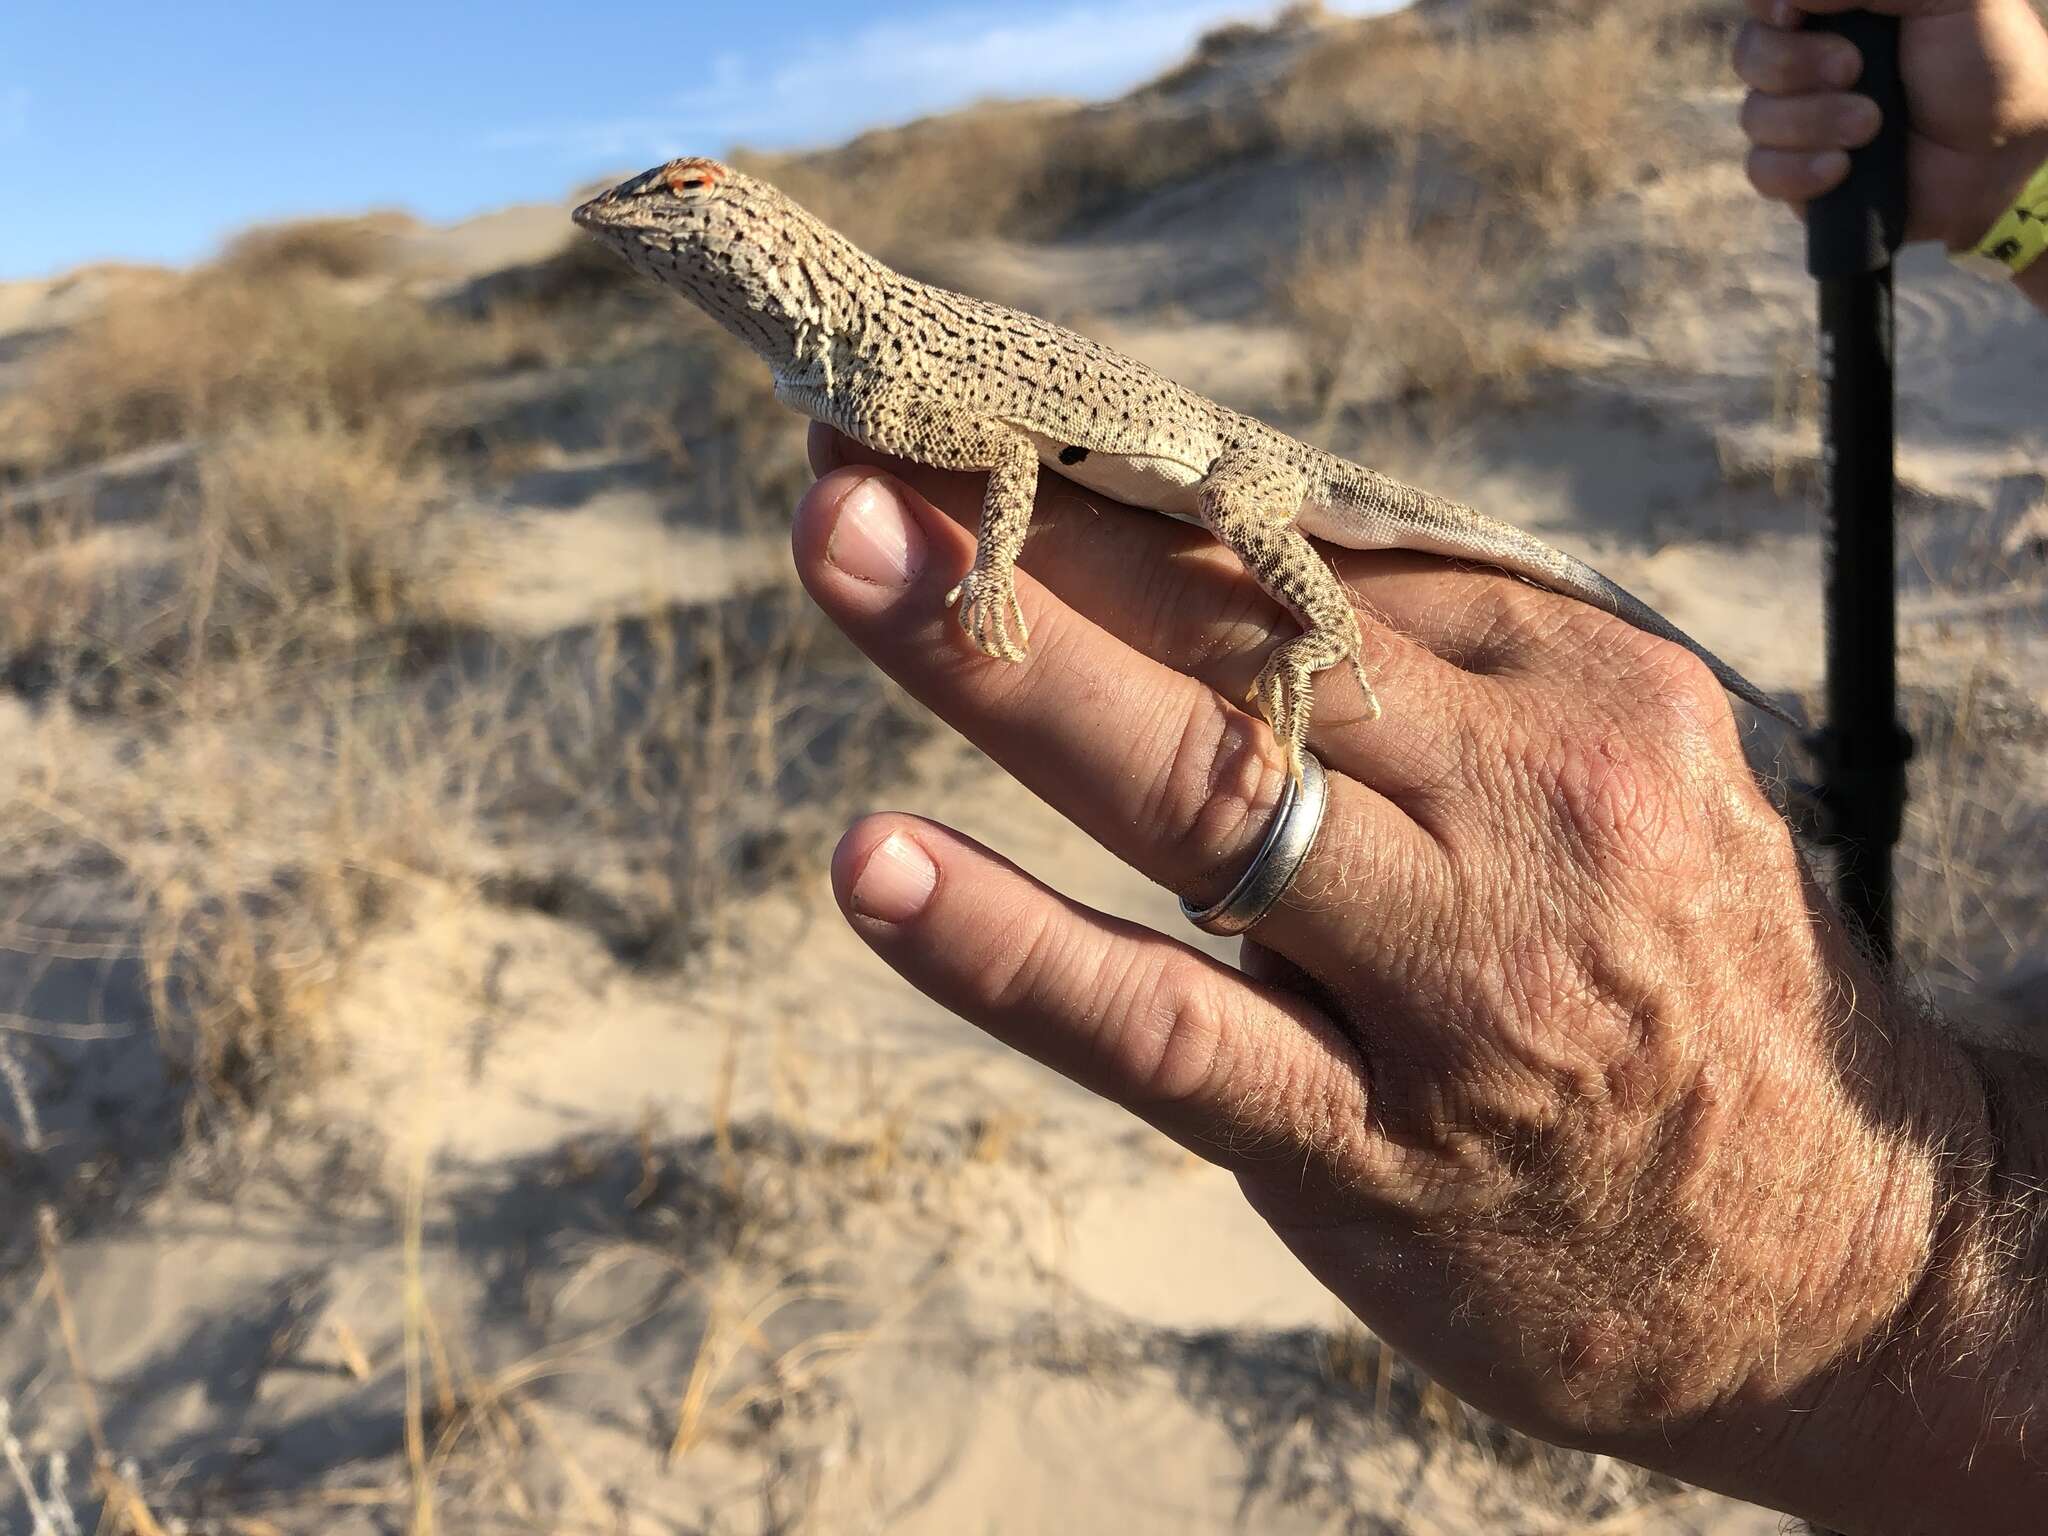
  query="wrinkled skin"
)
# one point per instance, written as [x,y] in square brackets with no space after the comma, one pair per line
[1554,1067]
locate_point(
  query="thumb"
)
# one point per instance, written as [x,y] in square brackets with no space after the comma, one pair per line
[1250,1077]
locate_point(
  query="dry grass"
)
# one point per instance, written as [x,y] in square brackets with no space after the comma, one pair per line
[279,541]
[304,513]
[50,586]
[125,1511]
[257,852]
[216,350]
[1554,120]
[1393,305]
[287,802]
[1492,142]
[300,757]
[1023,170]
[1974,927]
[1541,123]
[337,249]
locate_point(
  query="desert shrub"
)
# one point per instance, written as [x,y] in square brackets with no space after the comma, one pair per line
[1555,119]
[1024,170]
[1545,111]
[276,812]
[1546,118]
[215,350]
[1355,86]
[1393,304]
[306,512]
[1537,15]
[45,592]
[338,248]
[291,545]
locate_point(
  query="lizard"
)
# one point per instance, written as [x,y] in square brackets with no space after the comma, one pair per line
[960,383]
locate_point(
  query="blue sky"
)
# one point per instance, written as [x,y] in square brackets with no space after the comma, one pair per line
[147,131]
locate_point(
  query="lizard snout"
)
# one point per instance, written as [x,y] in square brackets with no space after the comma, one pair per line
[600,210]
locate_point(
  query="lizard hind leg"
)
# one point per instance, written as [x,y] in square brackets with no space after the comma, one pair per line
[1248,503]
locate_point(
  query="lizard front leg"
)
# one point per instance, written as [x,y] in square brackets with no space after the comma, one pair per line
[1249,501]
[906,425]
[987,594]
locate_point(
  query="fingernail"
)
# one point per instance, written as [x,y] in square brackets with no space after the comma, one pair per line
[896,883]
[1845,67]
[875,539]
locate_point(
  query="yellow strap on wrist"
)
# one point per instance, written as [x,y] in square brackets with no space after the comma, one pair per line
[2018,240]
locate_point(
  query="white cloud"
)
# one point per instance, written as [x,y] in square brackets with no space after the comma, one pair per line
[891,71]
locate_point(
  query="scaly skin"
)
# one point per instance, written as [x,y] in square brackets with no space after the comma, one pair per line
[959,383]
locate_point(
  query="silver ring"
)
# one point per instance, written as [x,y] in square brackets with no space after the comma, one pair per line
[1296,820]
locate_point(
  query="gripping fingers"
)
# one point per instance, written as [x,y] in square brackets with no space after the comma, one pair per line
[1236,1071]
[1786,63]
[1836,120]
[1801,116]
[1791,176]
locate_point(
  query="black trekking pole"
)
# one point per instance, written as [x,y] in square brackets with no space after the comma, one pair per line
[1851,235]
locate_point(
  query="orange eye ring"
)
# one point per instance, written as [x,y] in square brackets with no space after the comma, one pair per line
[692,176]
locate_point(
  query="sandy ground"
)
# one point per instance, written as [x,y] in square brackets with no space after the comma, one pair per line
[769,1243]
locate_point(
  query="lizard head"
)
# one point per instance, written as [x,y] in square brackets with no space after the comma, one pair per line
[678,198]
[747,255]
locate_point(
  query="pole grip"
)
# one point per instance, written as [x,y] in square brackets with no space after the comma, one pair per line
[1855,229]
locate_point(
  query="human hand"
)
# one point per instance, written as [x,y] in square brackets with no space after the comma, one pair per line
[1551,1066]
[1976,78]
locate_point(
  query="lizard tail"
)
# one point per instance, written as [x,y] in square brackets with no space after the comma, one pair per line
[1437,527]
[1612,597]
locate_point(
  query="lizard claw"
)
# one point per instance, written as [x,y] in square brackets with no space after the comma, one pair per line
[991,613]
[1372,700]
[1285,695]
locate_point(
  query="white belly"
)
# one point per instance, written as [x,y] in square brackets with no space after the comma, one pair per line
[1158,485]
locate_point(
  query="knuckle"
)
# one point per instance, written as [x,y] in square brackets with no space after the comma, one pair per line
[1518,618]
[1755,117]
[1613,789]
[1613,805]
[1766,168]
[1217,788]
[1185,1050]
[1752,56]
[1790,124]
[1155,1025]
[1018,970]
[1776,63]
[1677,690]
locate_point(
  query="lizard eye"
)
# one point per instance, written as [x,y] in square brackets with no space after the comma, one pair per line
[689,179]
